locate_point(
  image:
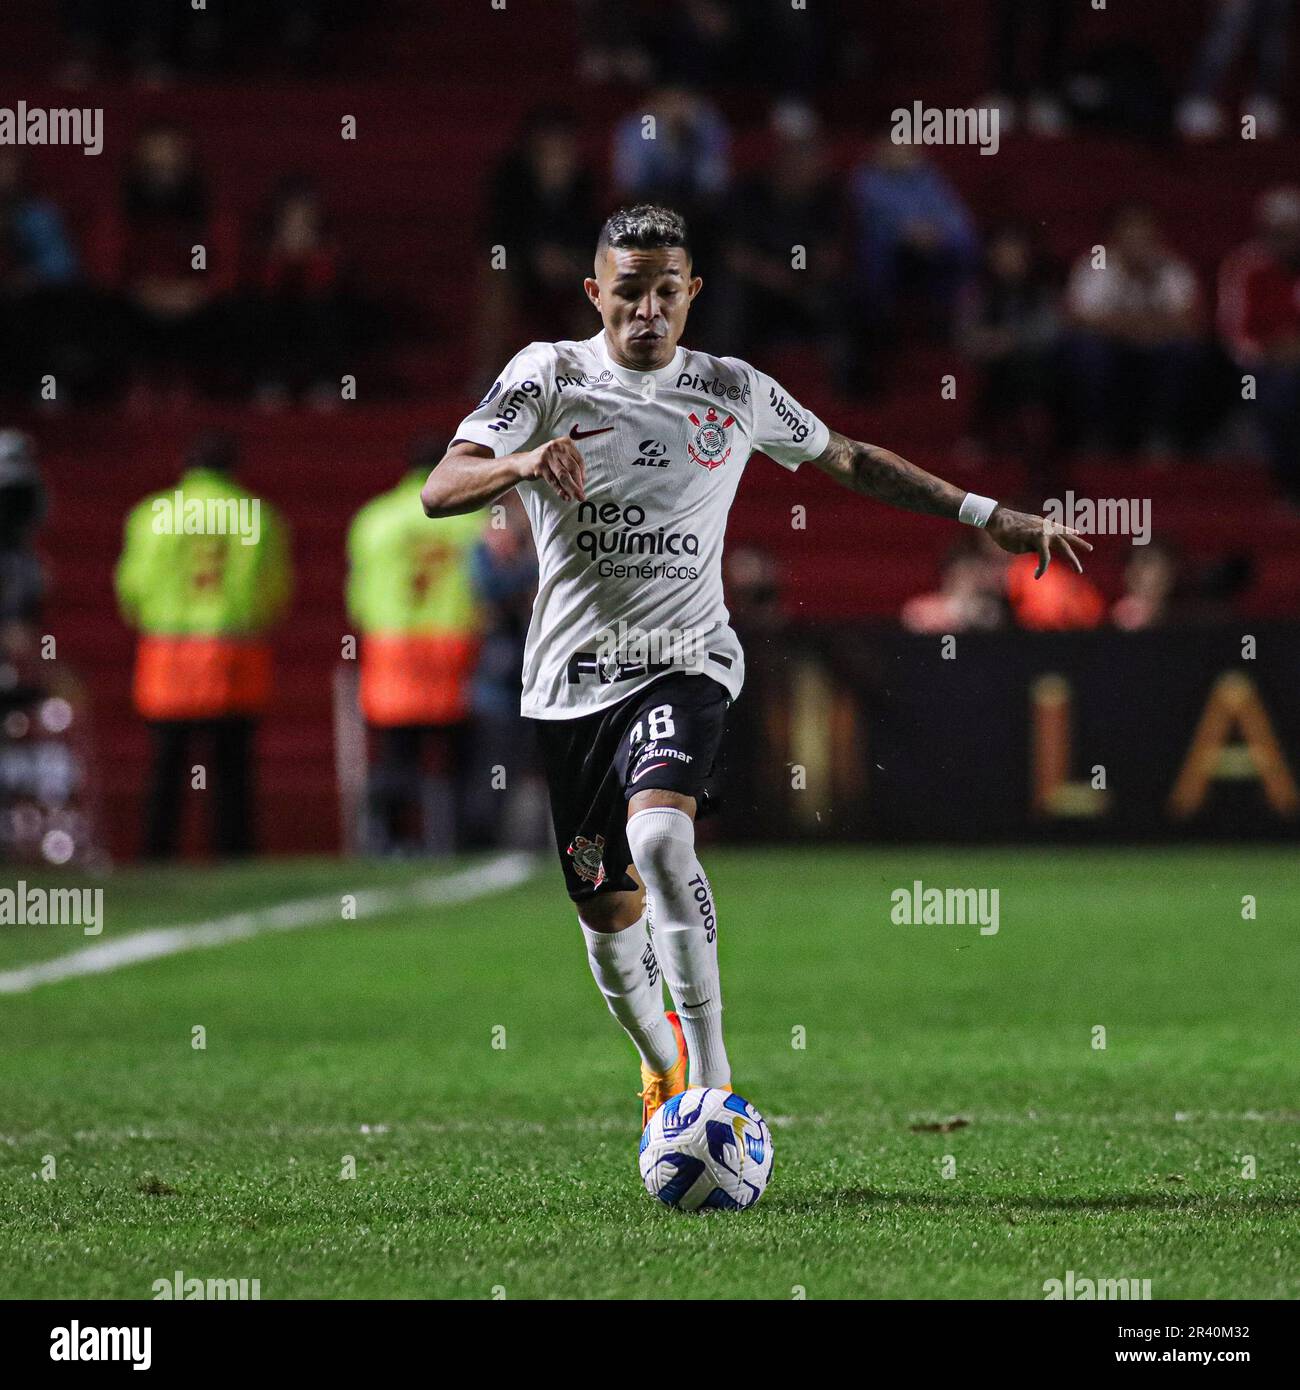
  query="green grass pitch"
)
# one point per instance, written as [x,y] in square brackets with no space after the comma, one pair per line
[509,1170]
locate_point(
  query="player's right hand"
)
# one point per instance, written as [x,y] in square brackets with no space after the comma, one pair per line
[558,463]
[1023,533]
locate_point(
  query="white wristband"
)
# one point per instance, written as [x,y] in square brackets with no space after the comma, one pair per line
[976,510]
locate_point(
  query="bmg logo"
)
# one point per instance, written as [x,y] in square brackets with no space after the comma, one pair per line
[788,416]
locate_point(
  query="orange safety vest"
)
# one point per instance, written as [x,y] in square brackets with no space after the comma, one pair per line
[414,678]
[201,677]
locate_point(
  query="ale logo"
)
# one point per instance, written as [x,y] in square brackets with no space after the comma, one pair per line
[650,454]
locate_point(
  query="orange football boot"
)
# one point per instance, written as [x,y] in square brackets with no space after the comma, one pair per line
[656,1088]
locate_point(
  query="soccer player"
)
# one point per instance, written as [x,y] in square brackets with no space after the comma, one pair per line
[627,450]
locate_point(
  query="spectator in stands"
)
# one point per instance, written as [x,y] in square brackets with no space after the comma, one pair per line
[410,594]
[1009,327]
[772,292]
[1259,318]
[51,321]
[204,575]
[970,596]
[301,308]
[541,209]
[675,149]
[36,251]
[506,801]
[1153,589]
[781,48]
[1058,602]
[1234,23]
[1038,82]
[166,211]
[1135,352]
[914,240]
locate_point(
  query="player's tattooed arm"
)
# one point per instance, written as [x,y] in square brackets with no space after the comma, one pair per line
[469,477]
[876,472]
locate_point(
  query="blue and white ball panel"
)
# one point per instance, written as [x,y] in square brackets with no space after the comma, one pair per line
[704,1149]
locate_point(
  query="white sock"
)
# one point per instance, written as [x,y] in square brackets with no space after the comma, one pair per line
[662,840]
[627,973]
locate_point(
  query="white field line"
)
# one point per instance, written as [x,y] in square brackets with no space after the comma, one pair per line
[153,943]
[885,1127]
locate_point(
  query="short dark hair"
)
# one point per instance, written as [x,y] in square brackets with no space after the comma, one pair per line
[644,227]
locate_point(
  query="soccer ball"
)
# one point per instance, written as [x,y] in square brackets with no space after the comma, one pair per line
[706,1148]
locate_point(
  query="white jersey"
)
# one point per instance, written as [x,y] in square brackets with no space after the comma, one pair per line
[630,582]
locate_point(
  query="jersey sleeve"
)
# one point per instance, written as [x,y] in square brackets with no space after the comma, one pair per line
[783,429]
[514,415]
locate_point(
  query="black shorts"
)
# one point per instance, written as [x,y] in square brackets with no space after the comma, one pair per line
[663,738]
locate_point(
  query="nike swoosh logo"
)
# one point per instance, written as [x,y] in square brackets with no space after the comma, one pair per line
[576,433]
[651,768]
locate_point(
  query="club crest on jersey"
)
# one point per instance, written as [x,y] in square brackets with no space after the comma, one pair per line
[710,447]
[587,856]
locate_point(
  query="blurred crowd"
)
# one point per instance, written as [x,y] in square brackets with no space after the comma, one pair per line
[120,313]
[1042,71]
[1130,353]
[1120,354]
[980,589]
[855,258]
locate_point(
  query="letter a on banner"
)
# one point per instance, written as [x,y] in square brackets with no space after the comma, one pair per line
[1234,705]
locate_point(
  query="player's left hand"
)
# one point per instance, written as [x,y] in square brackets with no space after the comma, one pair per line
[1021,533]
